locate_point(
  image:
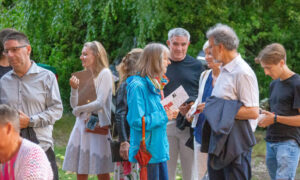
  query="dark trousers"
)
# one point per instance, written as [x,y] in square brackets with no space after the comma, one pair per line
[51,157]
[240,169]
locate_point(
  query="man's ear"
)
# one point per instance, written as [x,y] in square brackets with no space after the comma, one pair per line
[8,128]
[282,62]
[28,48]
[168,43]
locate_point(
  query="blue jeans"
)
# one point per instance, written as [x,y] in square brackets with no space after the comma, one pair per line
[282,159]
[157,171]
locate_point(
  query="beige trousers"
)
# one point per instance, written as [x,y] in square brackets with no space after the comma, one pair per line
[177,140]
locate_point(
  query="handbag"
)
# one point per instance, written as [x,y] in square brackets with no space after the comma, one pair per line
[92,126]
[115,149]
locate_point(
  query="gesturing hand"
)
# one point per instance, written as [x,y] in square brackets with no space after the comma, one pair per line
[74,82]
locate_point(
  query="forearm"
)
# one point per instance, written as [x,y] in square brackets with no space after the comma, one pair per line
[74,98]
[47,117]
[289,120]
[246,113]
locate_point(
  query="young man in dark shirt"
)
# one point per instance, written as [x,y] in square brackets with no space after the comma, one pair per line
[184,70]
[283,120]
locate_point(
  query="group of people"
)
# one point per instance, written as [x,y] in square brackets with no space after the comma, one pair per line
[212,132]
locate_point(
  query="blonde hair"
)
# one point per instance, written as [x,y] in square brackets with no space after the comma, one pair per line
[271,54]
[101,60]
[150,63]
[127,67]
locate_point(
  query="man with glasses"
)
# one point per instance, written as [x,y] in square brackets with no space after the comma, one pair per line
[236,82]
[34,92]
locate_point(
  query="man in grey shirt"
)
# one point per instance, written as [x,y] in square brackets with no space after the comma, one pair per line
[33,91]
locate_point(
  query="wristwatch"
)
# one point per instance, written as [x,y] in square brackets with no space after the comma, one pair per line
[31,122]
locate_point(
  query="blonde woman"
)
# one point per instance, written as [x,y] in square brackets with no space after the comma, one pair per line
[143,98]
[206,84]
[126,68]
[89,153]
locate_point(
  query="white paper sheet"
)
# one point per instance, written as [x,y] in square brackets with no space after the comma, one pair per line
[175,99]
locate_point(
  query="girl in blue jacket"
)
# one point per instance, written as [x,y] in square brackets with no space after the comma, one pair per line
[143,98]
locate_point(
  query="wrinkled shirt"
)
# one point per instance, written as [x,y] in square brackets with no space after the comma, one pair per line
[37,95]
[237,81]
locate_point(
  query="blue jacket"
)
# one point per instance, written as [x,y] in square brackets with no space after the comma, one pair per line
[144,100]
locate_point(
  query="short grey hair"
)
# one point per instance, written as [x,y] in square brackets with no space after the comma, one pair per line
[178,32]
[9,114]
[225,35]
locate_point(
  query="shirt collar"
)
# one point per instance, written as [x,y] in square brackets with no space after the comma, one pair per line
[34,69]
[231,65]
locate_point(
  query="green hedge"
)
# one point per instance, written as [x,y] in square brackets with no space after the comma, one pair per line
[57,29]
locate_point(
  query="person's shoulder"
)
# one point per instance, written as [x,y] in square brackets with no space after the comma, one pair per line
[7,76]
[135,82]
[44,72]
[28,145]
[123,85]
[105,72]
[297,77]
[296,81]
[194,62]
[192,59]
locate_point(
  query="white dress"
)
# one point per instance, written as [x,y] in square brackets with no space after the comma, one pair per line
[89,153]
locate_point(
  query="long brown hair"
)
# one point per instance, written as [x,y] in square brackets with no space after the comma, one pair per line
[128,65]
[150,62]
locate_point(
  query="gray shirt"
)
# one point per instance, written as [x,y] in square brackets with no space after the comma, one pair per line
[37,95]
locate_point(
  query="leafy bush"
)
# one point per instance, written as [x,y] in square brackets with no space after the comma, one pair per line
[57,29]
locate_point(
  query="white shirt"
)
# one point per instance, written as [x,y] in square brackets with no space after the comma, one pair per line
[237,81]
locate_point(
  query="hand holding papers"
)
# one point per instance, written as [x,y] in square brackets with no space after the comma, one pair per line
[175,99]
[86,90]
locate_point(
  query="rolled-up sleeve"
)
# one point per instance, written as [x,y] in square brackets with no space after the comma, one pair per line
[247,90]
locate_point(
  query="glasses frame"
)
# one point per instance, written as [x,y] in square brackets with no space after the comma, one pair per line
[13,49]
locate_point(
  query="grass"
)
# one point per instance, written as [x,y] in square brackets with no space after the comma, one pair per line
[63,128]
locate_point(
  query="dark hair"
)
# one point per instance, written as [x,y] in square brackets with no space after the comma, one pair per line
[3,34]
[18,36]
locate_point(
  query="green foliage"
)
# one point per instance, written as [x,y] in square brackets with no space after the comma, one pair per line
[58,29]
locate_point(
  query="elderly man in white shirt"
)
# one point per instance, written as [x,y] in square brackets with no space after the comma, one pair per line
[236,81]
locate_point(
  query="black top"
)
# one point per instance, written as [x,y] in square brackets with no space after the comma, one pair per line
[285,101]
[186,73]
[4,69]
[121,113]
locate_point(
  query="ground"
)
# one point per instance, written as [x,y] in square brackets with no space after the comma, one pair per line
[63,128]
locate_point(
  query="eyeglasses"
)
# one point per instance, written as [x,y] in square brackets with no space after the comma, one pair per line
[13,49]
